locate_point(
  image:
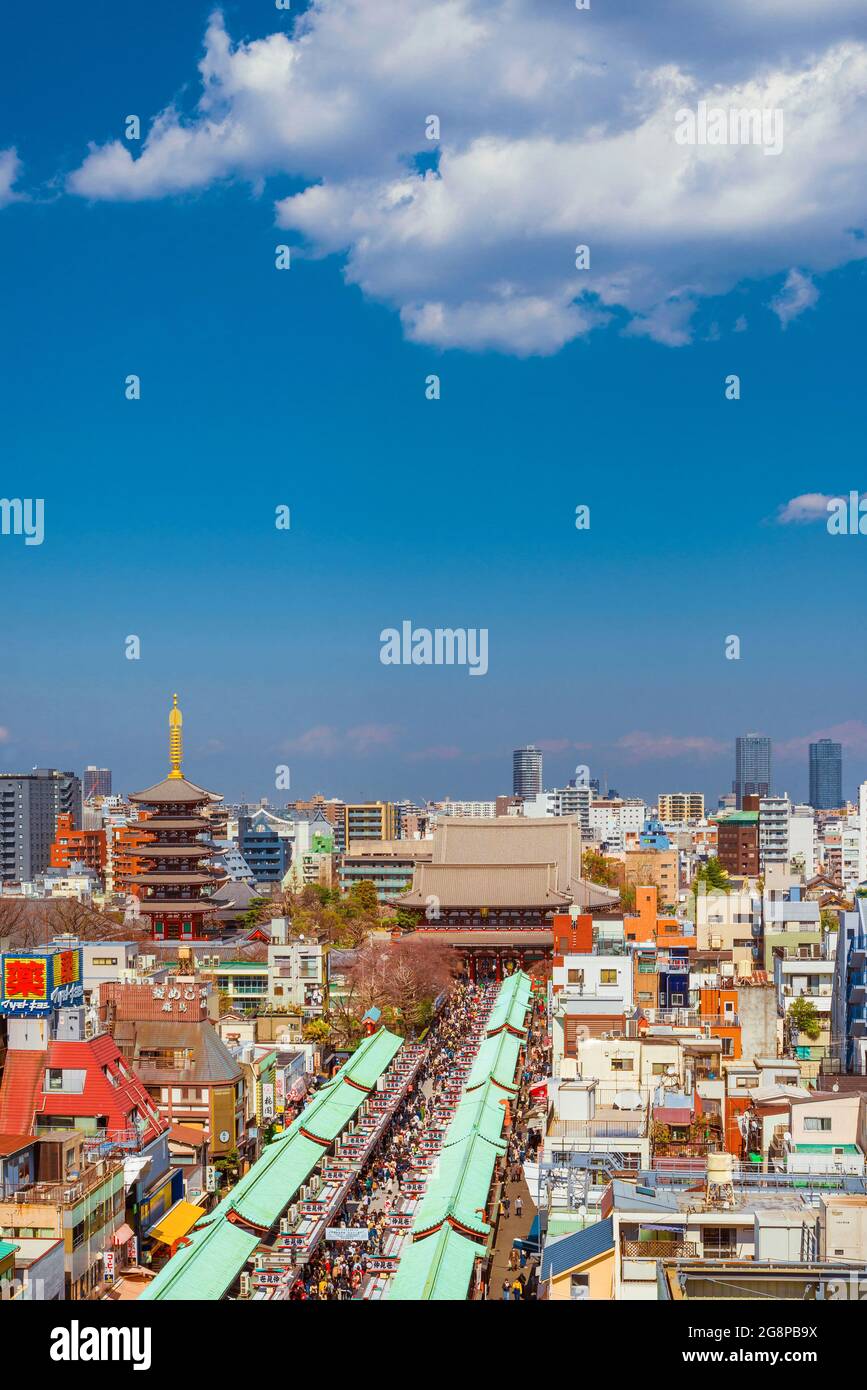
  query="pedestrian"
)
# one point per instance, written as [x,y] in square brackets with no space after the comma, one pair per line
[519,1207]
[507,1290]
[507,1206]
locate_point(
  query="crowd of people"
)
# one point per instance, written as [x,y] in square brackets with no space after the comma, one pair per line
[337,1270]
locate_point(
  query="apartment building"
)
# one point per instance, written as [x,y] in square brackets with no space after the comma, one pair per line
[680,808]
[388,864]
[29,806]
[738,843]
[368,820]
[729,922]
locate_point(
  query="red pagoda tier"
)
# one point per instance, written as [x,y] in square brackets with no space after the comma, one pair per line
[176,879]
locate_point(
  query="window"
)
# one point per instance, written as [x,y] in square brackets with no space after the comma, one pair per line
[659,1068]
[817,1122]
[718,1242]
[55,1079]
[676,1000]
[579,1286]
[104,960]
[608,977]
[575,977]
[621,1063]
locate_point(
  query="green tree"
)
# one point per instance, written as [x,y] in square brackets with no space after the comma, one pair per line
[318,1030]
[802,1013]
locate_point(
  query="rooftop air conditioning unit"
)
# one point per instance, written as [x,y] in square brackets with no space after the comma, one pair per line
[246,1285]
[315,1183]
[293,1214]
[284,1226]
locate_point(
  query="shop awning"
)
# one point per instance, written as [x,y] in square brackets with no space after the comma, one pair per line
[176,1223]
[122,1235]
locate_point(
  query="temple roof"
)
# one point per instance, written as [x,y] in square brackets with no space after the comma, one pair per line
[193,850]
[174,791]
[153,824]
[194,877]
[485,885]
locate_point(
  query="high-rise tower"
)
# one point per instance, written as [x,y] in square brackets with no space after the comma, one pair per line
[826,775]
[752,767]
[527,771]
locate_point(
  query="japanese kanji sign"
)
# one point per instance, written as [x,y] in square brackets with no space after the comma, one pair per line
[36,982]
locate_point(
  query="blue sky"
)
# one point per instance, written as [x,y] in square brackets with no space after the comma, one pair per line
[307,388]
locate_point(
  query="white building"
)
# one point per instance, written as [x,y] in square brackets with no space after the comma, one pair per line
[862,832]
[296,971]
[561,801]
[611,820]
[774,815]
[802,841]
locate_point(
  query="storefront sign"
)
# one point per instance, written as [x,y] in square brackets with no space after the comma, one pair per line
[35,983]
[347,1233]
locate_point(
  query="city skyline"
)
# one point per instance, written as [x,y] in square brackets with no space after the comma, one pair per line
[298,390]
[349,783]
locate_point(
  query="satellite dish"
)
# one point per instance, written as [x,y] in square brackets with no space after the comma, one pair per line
[628,1100]
[671,1071]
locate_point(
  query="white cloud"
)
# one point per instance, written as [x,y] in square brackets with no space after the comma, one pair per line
[807,507]
[10,169]
[798,293]
[557,128]
[640,746]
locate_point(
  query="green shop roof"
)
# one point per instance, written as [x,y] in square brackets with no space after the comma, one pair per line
[218,1249]
[437,1261]
[438,1268]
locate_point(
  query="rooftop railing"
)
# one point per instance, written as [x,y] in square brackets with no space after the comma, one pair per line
[70,1192]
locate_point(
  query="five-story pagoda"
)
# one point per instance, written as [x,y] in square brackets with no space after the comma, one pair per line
[176,879]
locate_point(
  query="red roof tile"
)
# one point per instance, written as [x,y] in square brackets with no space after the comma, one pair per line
[19,1091]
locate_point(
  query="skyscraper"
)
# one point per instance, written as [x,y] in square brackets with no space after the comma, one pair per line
[527,771]
[752,767]
[97,781]
[826,775]
[29,806]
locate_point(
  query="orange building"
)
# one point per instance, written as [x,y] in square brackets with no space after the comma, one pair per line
[126,867]
[718,1008]
[645,925]
[77,846]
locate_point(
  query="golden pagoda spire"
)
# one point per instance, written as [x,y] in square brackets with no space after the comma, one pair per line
[176,738]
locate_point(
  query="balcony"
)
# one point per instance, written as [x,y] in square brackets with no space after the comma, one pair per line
[71,1192]
[658,1249]
[610,1127]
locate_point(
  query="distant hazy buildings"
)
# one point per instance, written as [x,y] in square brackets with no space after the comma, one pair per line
[527,771]
[29,806]
[752,767]
[826,775]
